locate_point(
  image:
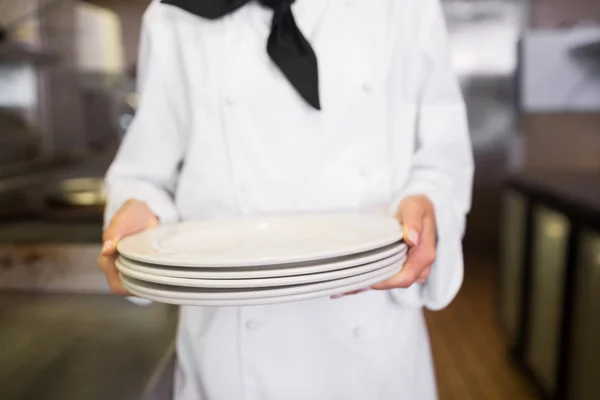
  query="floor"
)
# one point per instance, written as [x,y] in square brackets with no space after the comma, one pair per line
[468,345]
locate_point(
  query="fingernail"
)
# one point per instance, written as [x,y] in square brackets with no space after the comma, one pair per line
[413,236]
[107,246]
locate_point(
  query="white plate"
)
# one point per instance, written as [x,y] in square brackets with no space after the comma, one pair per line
[244,242]
[272,271]
[353,282]
[169,299]
[262,282]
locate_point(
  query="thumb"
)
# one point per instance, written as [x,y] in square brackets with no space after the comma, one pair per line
[111,237]
[132,218]
[153,223]
[411,215]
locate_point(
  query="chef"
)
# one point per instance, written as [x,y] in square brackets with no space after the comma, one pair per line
[270,107]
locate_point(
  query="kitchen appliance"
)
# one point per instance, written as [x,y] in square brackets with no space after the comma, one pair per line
[75,199]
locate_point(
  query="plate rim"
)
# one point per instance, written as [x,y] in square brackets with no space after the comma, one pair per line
[259,301]
[263,282]
[273,270]
[150,258]
[267,293]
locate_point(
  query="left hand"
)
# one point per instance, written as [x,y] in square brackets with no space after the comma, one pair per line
[417,216]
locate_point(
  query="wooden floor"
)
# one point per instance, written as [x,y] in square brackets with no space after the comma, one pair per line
[469,349]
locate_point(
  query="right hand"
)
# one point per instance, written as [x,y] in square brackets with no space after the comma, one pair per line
[133,217]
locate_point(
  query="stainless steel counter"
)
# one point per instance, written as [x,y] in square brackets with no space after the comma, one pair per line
[63,347]
[62,335]
[32,231]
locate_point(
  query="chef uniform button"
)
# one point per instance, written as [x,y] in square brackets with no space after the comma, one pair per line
[230,101]
[360,332]
[253,325]
[367,87]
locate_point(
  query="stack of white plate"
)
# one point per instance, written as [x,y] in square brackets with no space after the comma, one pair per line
[253,261]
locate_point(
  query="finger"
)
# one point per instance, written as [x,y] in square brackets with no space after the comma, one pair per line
[118,289]
[132,218]
[107,265]
[153,223]
[419,260]
[424,275]
[114,228]
[337,296]
[406,277]
[111,235]
[109,247]
[411,214]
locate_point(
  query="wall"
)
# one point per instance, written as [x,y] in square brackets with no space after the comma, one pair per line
[569,141]
[561,140]
[562,13]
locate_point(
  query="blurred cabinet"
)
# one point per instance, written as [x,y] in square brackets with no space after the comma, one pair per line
[550,281]
[585,340]
[548,269]
[512,240]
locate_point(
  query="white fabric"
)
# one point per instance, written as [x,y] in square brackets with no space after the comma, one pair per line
[393,123]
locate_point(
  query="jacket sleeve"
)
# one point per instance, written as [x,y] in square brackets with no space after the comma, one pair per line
[442,163]
[146,165]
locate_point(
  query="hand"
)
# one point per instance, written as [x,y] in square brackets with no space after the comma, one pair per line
[417,216]
[133,217]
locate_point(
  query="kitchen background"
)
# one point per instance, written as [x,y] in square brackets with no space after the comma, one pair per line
[525,325]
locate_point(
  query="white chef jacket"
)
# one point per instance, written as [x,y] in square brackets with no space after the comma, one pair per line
[221,132]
